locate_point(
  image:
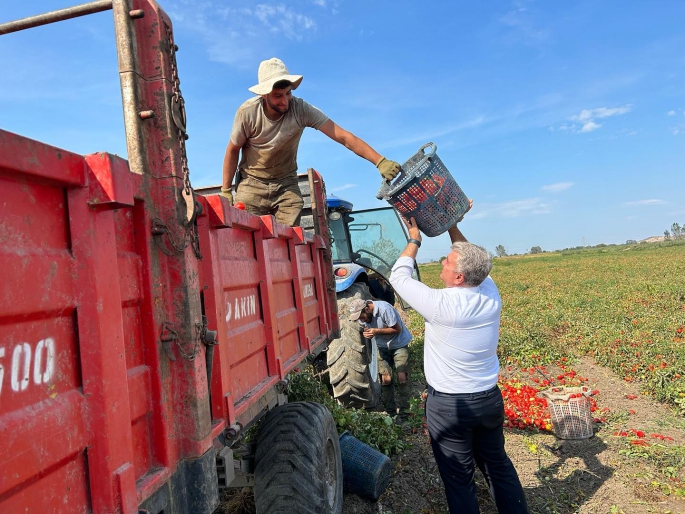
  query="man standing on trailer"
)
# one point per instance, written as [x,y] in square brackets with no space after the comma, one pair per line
[266,135]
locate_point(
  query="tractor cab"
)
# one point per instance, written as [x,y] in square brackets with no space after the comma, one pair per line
[365,245]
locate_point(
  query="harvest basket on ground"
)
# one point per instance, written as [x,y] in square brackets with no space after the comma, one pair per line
[426,191]
[570,412]
[366,471]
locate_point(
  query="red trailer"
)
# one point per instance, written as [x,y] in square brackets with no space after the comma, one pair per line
[144,328]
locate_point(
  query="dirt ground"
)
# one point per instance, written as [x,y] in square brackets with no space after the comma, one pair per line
[586,476]
[564,477]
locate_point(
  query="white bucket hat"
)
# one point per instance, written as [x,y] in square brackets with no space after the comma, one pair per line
[269,73]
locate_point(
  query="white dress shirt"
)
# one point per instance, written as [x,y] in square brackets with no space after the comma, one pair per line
[462,330]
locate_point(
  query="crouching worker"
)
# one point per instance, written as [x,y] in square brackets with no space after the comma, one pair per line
[383,325]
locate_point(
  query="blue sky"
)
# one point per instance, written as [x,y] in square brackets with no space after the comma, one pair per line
[564,121]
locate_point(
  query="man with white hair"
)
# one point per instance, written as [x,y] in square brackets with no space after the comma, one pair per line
[464,406]
[267,131]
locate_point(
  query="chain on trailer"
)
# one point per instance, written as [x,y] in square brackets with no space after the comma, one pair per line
[178,115]
[203,336]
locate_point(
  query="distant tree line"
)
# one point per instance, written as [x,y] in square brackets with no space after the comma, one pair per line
[501,251]
[677,232]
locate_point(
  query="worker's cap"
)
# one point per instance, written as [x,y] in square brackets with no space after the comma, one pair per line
[356,307]
[270,72]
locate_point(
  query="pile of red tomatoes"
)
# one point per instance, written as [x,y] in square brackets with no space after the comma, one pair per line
[525,410]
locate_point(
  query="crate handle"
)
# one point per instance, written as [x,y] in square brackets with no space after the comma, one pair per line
[383,191]
[426,157]
[386,185]
[434,149]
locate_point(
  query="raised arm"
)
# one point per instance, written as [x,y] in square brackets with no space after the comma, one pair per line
[419,296]
[414,239]
[455,234]
[388,169]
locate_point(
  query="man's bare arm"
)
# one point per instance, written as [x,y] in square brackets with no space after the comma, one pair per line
[230,165]
[455,234]
[415,234]
[351,142]
[382,331]
[387,168]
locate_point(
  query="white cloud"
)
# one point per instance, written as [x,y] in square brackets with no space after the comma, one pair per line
[241,36]
[586,119]
[590,126]
[438,132]
[652,201]
[601,112]
[670,113]
[280,19]
[523,27]
[513,209]
[342,188]
[558,187]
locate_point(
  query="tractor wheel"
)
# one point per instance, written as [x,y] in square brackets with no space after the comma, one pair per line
[350,358]
[298,467]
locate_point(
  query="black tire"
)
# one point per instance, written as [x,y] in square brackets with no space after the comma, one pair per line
[298,468]
[349,357]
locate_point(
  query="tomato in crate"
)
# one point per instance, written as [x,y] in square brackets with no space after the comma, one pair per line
[438,200]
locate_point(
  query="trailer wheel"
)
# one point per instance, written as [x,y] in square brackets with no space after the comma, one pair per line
[298,468]
[350,358]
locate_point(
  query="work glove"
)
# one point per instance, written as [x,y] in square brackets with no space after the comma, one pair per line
[388,169]
[226,193]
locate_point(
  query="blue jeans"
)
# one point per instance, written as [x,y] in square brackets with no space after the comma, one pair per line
[466,430]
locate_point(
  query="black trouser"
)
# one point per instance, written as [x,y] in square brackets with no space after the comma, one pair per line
[466,429]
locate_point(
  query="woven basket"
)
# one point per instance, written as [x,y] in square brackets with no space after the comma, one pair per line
[366,471]
[426,191]
[571,415]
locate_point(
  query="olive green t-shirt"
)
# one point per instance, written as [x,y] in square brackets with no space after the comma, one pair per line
[269,148]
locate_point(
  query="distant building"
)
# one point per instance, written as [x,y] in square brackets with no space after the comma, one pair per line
[653,239]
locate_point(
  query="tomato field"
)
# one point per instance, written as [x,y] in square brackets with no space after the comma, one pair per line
[623,305]
[621,308]
[609,321]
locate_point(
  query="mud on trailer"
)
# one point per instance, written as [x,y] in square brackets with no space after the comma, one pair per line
[145,327]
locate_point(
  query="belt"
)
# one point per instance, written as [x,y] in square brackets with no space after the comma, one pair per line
[267,181]
[479,394]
